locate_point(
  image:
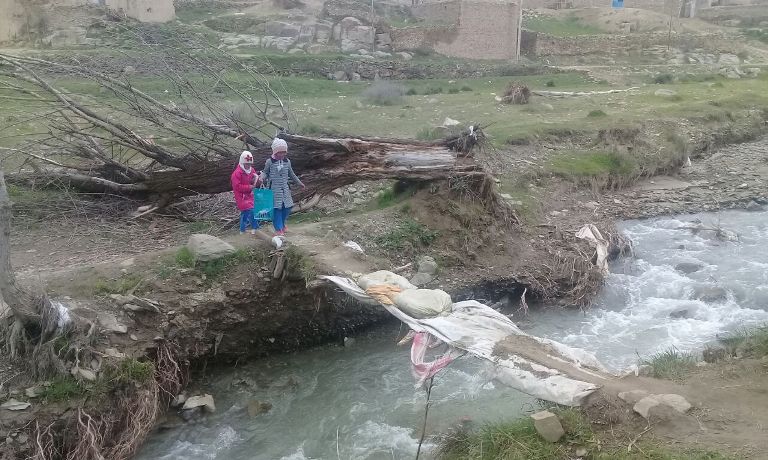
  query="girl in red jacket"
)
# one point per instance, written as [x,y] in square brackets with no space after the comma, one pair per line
[244,179]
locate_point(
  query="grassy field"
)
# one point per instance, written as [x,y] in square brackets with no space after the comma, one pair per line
[324,106]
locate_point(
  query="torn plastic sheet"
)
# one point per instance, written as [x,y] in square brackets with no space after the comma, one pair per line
[590,233]
[539,367]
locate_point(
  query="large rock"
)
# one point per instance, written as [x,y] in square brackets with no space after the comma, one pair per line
[258,407]
[323,33]
[633,396]
[354,35]
[548,426]
[676,402]
[421,279]
[688,267]
[710,294]
[307,33]
[206,247]
[665,93]
[205,401]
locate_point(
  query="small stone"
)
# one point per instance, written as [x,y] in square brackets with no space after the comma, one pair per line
[84,374]
[427,265]
[258,407]
[114,353]
[348,342]
[665,93]
[205,401]
[133,337]
[548,426]
[14,405]
[581,452]
[33,392]
[633,396]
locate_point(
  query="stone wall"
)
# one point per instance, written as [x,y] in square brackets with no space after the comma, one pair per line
[486,29]
[13,20]
[546,45]
[655,5]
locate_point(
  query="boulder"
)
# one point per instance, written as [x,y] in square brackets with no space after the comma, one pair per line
[382,54]
[645,406]
[688,267]
[323,33]
[405,56]
[84,374]
[205,401]
[109,322]
[317,48]
[383,39]
[548,426]
[339,75]
[206,247]
[710,294]
[179,400]
[354,35]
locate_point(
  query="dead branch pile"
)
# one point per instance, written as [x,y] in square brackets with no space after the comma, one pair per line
[516,93]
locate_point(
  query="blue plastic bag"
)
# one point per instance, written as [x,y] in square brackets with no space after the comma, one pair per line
[263,203]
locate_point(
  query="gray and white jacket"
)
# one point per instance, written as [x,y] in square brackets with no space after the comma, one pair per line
[276,175]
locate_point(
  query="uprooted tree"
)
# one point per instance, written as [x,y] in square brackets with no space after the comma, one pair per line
[164,144]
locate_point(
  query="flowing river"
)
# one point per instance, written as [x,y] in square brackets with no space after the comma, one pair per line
[359,402]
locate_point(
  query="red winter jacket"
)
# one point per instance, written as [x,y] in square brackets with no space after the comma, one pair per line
[241,186]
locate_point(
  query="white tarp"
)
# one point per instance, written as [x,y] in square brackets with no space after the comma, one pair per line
[542,368]
[590,233]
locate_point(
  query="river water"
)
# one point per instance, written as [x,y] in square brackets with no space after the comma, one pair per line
[359,402]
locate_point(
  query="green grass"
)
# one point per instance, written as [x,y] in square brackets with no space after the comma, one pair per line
[596,114]
[299,262]
[215,269]
[129,370]
[62,388]
[518,440]
[587,164]
[567,27]
[747,342]
[670,364]
[407,233]
[122,285]
[185,258]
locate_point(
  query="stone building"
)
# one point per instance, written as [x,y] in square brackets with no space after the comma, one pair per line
[476,29]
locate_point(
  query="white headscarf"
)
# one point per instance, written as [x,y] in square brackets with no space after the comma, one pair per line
[279,145]
[246,156]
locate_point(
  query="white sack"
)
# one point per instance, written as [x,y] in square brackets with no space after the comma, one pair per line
[423,303]
[382,277]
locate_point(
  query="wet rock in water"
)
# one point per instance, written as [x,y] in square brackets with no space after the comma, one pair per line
[191,415]
[258,407]
[349,341]
[206,247]
[710,294]
[754,206]
[204,401]
[179,400]
[681,313]
[548,426]
[688,267]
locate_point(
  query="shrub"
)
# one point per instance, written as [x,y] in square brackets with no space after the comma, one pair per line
[597,114]
[516,93]
[407,232]
[433,90]
[430,133]
[550,84]
[411,92]
[670,364]
[663,78]
[384,92]
[453,90]
[466,88]
[185,258]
